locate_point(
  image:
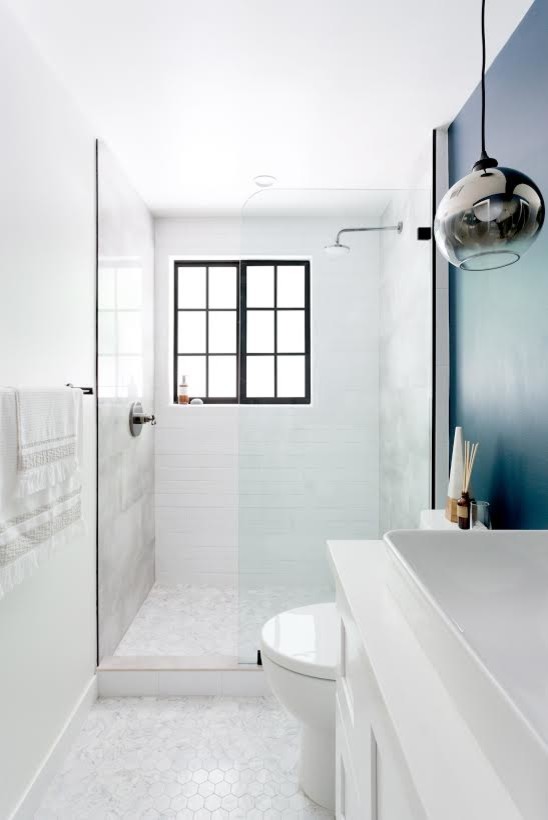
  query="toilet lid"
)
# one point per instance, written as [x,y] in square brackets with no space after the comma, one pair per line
[304,640]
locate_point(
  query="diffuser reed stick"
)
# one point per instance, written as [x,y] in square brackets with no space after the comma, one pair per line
[470,451]
[463,504]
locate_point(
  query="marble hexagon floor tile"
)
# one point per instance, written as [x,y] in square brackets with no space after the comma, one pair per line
[184,620]
[188,758]
[187,620]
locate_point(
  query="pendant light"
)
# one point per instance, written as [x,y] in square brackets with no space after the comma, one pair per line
[489,218]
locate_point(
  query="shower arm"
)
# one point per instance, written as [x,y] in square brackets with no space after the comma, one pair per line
[398,228]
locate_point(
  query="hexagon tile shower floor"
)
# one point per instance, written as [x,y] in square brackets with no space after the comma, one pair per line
[188,758]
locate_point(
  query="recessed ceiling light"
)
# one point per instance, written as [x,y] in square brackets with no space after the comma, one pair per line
[264,180]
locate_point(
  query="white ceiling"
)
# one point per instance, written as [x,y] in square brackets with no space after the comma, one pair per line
[196,97]
[344,203]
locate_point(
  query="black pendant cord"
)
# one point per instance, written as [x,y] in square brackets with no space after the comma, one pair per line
[483,151]
[485,161]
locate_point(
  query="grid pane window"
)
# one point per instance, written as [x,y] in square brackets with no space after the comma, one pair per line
[275,319]
[260,331]
[222,376]
[291,331]
[291,376]
[242,331]
[194,368]
[192,287]
[260,286]
[206,321]
[260,377]
[223,287]
[192,332]
[223,331]
[291,290]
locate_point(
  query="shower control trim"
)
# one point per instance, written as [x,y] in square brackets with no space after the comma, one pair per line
[137,419]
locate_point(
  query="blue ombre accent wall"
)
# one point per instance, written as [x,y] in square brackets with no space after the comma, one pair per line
[499,318]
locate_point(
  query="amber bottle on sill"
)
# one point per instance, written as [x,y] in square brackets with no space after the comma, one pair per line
[463,511]
[183,394]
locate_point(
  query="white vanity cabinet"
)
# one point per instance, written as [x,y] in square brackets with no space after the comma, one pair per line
[441,687]
[372,779]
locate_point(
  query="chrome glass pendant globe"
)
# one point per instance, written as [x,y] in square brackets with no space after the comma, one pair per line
[491,217]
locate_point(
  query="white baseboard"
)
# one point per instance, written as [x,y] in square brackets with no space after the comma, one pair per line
[33,796]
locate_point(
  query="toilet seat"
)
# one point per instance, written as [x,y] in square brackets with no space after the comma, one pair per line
[304,640]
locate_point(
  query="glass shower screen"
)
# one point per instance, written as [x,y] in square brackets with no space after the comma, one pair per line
[311,466]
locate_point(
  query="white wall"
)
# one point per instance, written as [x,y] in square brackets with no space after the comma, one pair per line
[289,476]
[47,261]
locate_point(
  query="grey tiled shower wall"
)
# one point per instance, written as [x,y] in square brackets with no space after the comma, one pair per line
[405,364]
[125,349]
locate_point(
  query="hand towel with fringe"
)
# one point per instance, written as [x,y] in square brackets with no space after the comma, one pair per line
[48,422]
[34,524]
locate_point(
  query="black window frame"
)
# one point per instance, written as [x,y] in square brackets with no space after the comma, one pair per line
[207,264]
[241,329]
[243,354]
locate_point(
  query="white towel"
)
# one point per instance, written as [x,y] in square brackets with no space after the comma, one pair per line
[31,527]
[48,437]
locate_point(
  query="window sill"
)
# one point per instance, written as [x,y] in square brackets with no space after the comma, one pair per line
[238,406]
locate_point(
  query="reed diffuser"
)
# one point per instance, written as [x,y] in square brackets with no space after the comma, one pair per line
[463,504]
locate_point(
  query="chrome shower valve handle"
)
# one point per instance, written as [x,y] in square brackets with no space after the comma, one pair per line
[137,418]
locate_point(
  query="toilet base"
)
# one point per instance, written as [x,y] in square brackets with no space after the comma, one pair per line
[317,766]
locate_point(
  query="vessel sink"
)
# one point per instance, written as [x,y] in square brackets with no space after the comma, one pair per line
[478,604]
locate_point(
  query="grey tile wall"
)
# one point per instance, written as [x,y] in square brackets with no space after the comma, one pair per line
[125,374]
[405,364]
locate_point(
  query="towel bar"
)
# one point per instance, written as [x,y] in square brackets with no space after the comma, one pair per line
[87,391]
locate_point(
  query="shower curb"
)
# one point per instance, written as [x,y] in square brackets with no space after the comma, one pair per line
[235,682]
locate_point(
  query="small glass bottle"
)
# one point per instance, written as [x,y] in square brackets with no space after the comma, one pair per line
[463,511]
[182,393]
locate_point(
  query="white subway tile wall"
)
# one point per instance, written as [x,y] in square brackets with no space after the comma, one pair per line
[252,493]
[197,496]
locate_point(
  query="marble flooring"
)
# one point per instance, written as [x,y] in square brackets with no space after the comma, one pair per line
[188,758]
[186,620]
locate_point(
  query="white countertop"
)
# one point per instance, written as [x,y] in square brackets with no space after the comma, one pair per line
[479,607]
[493,586]
[421,708]
[436,520]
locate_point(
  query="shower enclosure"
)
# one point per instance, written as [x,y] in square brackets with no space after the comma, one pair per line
[315,370]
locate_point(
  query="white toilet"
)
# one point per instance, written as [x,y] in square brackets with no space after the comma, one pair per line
[300,653]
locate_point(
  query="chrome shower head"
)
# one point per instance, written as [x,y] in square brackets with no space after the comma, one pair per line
[338,249]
